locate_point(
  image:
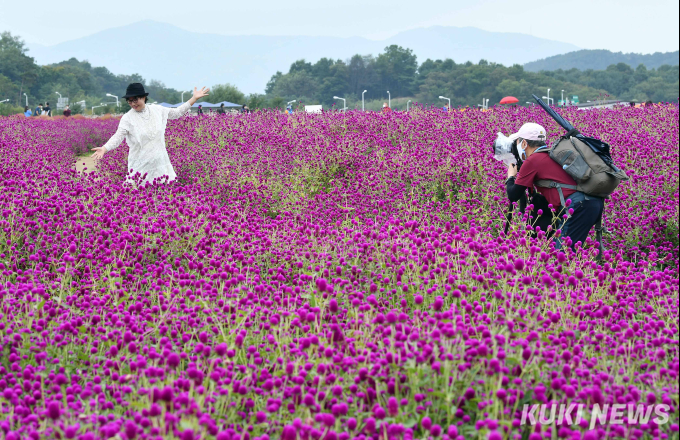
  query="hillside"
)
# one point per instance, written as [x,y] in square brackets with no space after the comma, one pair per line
[601,59]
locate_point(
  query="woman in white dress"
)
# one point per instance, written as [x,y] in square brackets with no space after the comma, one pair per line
[143,127]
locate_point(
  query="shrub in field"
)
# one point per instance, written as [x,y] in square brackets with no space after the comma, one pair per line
[328,276]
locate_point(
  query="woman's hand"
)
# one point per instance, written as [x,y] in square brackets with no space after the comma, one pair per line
[512,170]
[99,152]
[198,94]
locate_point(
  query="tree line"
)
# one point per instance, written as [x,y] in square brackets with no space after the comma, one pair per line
[396,70]
[77,80]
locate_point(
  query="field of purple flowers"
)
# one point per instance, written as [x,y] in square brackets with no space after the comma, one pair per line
[328,276]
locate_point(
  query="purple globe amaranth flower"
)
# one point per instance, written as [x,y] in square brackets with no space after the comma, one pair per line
[369,425]
[54,410]
[469,394]
[71,431]
[131,430]
[392,406]
[173,360]
[288,433]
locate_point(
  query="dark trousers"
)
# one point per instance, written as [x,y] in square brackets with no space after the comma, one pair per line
[587,211]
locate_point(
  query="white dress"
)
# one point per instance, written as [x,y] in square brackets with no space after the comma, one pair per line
[145,135]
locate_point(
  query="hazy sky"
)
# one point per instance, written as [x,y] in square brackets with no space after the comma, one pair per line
[621,25]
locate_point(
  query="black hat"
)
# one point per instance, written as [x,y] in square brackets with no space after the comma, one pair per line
[135,89]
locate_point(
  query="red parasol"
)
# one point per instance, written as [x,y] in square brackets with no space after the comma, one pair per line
[509,100]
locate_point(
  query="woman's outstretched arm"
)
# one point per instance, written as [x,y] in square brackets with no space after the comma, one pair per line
[182,109]
[113,142]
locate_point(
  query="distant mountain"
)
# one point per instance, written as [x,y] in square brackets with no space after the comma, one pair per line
[600,59]
[183,59]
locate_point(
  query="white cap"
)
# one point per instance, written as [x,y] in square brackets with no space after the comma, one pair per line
[531,132]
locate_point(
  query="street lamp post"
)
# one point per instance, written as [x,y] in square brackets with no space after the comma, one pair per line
[114,96]
[4,100]
[548,96]
[362,101]
[26,99]
[449,99]
[183,94]
[563,98]
[94,107]
[344,103]
[389,99]
[290,102]
[407,103]
[548,99]
[58,94]
[486,104]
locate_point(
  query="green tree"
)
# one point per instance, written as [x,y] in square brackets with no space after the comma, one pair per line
[15,64]
[396,69]
[226,92]
[362,75]
[335,83]
[256,100]
[272,82]
[76,108]
[295,85]
[8,89]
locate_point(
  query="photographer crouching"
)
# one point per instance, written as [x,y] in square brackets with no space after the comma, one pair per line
[550,187]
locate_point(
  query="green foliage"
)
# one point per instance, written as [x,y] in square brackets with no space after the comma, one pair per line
[9,109]
[74,79]
[225,92]
[599,60]
[396,70]
[256,101]
[15,66]
[76,109]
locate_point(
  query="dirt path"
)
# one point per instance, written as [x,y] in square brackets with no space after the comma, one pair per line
[83,162]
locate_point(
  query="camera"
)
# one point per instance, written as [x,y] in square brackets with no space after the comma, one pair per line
[505,150]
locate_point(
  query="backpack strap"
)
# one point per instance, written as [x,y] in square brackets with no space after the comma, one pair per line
[544,183]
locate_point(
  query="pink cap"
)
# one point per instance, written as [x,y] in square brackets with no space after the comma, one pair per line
[531,132]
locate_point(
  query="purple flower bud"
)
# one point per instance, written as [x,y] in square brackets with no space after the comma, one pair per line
[392,406]
[288,433]
[130,429]
[71,431]
[221,349]
[173,360]
[187,435]
[53,410]
[495,435]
